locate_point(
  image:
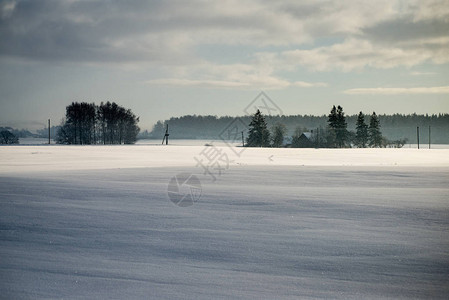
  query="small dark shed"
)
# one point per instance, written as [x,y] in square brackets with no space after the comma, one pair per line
[305,140]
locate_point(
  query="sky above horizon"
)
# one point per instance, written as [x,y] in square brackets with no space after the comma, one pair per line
[174,58]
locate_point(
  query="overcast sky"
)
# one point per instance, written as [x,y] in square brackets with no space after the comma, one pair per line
[172,58]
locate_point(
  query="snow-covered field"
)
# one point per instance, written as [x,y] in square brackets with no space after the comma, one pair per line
[96,222]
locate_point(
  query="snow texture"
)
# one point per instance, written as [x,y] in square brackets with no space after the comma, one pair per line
[95,222]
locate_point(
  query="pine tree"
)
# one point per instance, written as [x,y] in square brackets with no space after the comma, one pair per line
[332,118]
[338,127]
[279,131]
[374,134]
[342,132]
[333,124]
[361,137]
[259,136]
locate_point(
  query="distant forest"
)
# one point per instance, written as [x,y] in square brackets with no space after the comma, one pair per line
[393,127]
[19,133]
[25,133]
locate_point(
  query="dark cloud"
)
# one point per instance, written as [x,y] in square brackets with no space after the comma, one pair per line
[83,31]
[404,29]
[170,32]
[137,30]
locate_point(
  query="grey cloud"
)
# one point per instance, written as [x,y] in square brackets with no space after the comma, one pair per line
[137,30]
[399,30]
[168,32]
[83,31]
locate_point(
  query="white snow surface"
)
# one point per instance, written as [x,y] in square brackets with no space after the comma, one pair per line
[95,222]
[17,159]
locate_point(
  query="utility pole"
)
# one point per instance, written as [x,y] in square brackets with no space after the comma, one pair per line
[49,131]
[243,140]
[417,135]
[429,137]
[165,136]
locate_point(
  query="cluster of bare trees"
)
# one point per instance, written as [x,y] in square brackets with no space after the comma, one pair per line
[108,123]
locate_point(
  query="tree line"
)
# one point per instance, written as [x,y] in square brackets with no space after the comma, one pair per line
[88,123]
[397,127]
[335,135]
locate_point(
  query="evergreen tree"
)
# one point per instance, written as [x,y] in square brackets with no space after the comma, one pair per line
[332,124]
[374,134]
[341,132]
[361,137]
[337,127]
[259,136]
[333,118]
[279,131]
